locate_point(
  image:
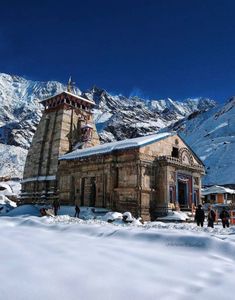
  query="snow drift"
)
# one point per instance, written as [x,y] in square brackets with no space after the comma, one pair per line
[52,258]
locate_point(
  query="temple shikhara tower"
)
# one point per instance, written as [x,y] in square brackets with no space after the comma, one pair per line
[66,125]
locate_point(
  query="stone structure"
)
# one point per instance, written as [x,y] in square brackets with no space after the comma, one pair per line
[66,124]
[145,176]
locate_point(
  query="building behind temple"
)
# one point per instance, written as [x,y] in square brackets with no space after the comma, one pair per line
[145,175]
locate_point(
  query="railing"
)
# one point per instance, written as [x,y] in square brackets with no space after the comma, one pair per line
[169,159]
[177,161]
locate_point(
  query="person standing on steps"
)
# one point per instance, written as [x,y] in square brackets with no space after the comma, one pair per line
[199,215]
[211,217]
[56,206]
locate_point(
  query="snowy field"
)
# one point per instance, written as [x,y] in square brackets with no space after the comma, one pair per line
[68,258]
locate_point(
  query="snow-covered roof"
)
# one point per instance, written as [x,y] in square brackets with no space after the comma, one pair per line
[87,126]
[70,94]
[216,189]
[39,178]
[109,147]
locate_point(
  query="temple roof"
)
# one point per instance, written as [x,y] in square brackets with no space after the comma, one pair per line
[216,189]
[69,94]
[114,146]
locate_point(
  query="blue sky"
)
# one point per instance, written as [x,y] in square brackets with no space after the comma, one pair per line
[158,49]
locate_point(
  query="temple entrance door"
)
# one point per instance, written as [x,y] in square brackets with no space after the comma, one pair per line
[82,191]
[92,195]
[185,191]
[182,194]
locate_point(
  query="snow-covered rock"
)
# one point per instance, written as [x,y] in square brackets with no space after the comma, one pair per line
[127,216]
[9,191]
[177,216]
[112,216]
[6,205]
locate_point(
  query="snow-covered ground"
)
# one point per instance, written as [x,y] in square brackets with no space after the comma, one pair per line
[69,258]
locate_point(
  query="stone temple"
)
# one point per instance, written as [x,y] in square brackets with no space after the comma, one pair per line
[66,124]
[145,175]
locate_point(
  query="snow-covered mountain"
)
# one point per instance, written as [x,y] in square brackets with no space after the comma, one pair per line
[117,117]
[211,135]
[20,110]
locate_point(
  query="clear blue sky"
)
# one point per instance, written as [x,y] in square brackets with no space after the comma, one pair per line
[158,48]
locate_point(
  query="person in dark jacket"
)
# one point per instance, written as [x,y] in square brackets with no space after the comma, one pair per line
[77,211]
[211,217]
[199,216]
[56,206]
[43,212]
[224,216]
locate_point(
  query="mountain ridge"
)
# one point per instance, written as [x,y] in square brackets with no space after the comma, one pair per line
[117,117]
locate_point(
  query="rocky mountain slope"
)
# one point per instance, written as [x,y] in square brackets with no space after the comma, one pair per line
[117,117]
[211,135]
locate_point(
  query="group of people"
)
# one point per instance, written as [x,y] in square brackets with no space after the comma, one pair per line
[199,214]
[211,216]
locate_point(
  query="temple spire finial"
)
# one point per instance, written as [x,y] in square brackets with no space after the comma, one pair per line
[70,86]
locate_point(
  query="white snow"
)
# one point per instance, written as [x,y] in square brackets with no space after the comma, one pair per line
[24,210]
[68,258]
[6,205]
[10,188]
[11,157]
[4,200]
[175,216]
[71,94]
[109,147]
[5,188]
[215,189]
[128,216]
[112,216]
[101,117]
[40,178]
